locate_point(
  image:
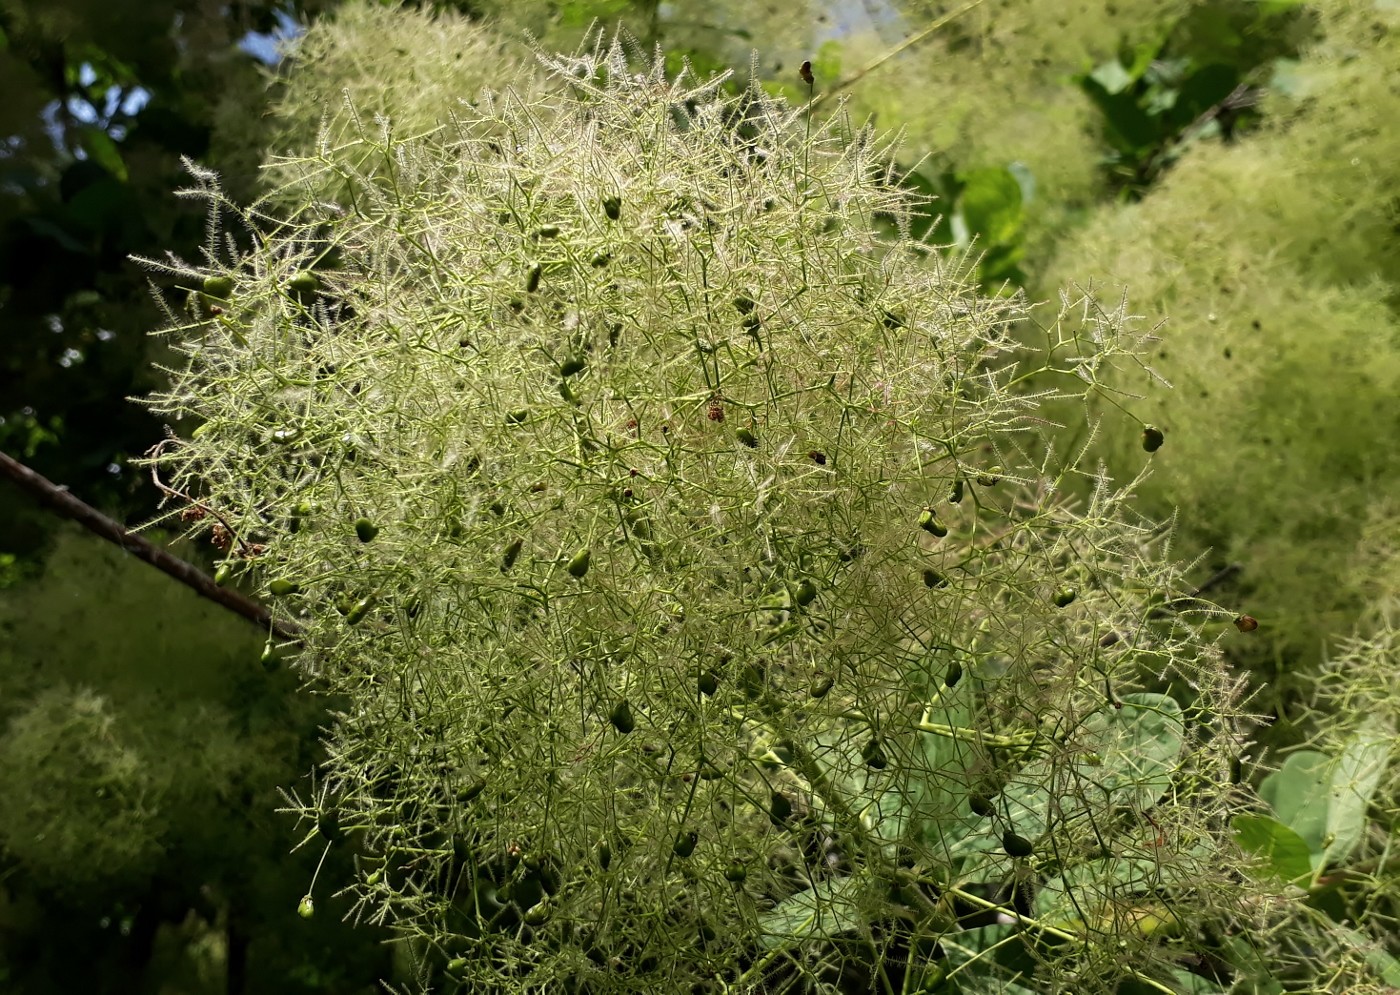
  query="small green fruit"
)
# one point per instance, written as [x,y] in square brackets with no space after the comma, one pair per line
[360,609]
[708,683]
[512,552]
[219,287]
[457,964]
[578,563]
[621,717]
[532,278]
[684,845]
[547,231]
[953,674]
[538,914]
[1152,439]
[820,685]
[955,496]
[223,573]
[1016,846]
[928,521]
[736,873]
[779,808]
[471,790]
[932,578]
[517,416]
[612,207]
[282,587]
[990,478]
[306,908]
[572,365]
[805,594]
[366,530]
[874,755]
[304,282]
[981,805]
[1064,597]
[747,438]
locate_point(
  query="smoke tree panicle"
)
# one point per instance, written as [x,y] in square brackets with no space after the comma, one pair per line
[671,542]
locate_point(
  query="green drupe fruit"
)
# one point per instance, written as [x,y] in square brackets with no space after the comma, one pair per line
[220,287]
[621,717]
[578,563]
[1016,846]
[928,521]
[981,805]
[684,845]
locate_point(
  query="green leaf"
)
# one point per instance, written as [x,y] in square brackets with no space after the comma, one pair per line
[991,204]
[987,959]
[825,910]
[1095,886]
[1297,792]
[1112,77]
[1355,777]
[1127,757]
[1193,984]
[1285,853]
[102,150]
[1138,747]
[827,64]
[1324,800]
[1375,955]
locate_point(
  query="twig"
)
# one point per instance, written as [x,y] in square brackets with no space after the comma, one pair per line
[57,498]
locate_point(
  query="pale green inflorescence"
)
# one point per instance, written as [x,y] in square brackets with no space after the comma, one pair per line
[368,67]
[1275,264]
[606,458]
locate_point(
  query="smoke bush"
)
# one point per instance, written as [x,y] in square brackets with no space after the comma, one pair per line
[672,541]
